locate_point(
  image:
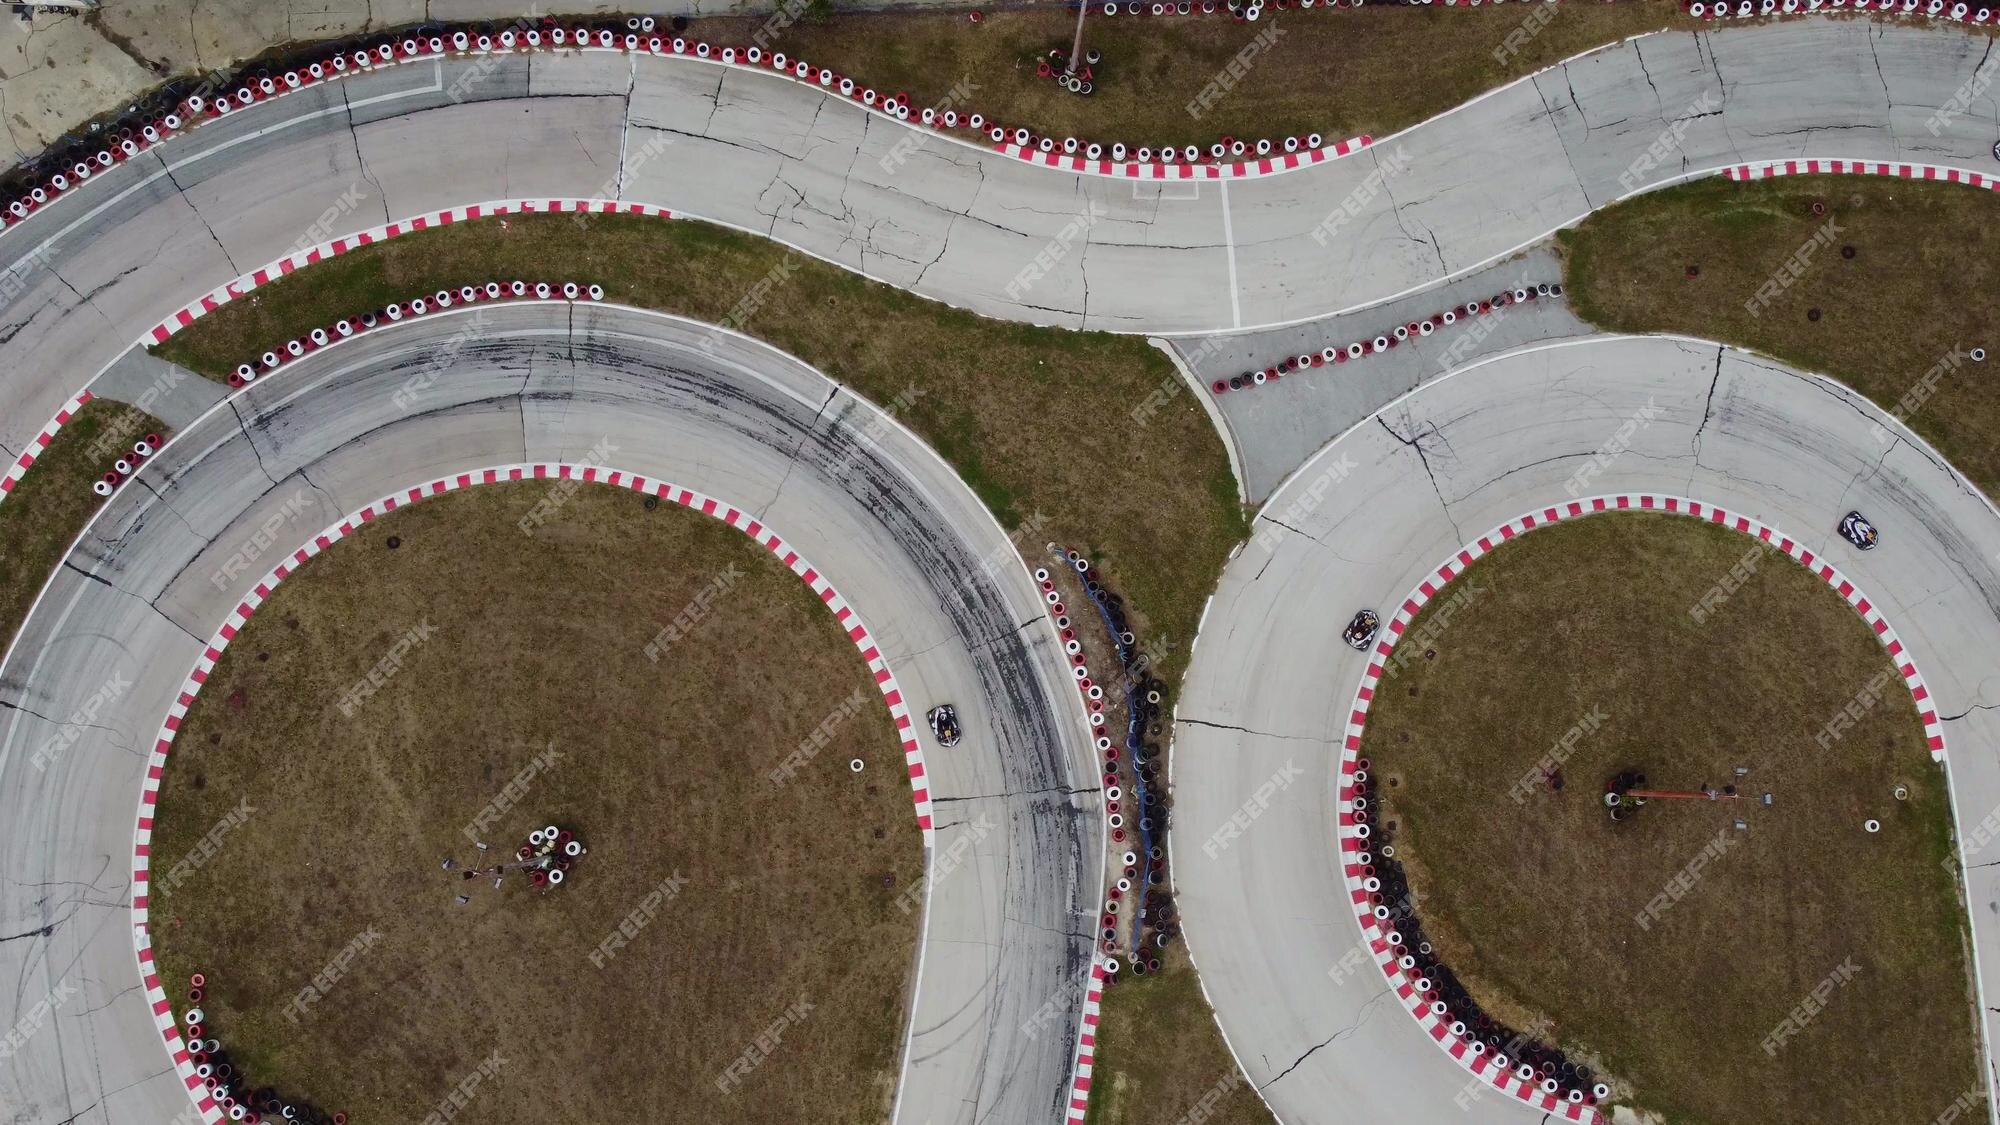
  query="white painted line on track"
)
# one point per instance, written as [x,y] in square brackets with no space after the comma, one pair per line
[1229,246]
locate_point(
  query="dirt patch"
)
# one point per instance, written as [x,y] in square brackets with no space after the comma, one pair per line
[1799,970]
[733,947]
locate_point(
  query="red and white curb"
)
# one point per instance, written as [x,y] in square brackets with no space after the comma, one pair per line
[1353,842]
[1086,1041]
[1268,165]
[1100,969]
[149,793]
[129,139]
[1771,169]
[20,466]
[298,259]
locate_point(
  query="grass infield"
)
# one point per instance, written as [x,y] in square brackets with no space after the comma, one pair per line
[1193,79]
[1041,422]
[1800,971]
[732,948]
[1163,1061]
[52,501]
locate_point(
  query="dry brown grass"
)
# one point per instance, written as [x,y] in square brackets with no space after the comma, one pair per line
[1535,902]
[51,503]
[1899,307]
[1162,1059]
[1037,420]
[1335,72]
[792,890]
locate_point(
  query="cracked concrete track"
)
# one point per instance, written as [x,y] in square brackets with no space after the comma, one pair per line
[1268,914]
[1009,240]
[61,69]
[944,219]
[1015,868]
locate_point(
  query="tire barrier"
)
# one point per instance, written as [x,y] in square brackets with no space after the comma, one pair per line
[1940,173]
[123,469]
[28,456]
[169,112]
[1389,926]
[182,1049]
[1192,163]
[219,1087]
[1383,896]
[1248,11]
[319,338]
[1130,771]
[1746,9]
[549,855]
[1336,354]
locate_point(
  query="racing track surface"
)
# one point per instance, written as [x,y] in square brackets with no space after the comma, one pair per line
[1271,684]
[942,218]
[1016,859]
[958,224]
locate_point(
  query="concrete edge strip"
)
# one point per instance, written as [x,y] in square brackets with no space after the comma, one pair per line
[1820,166]
[210,1111]
[27,458]
[1161,396]
[298,259]
[1353,835]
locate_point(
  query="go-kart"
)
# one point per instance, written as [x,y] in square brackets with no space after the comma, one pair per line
[944,724]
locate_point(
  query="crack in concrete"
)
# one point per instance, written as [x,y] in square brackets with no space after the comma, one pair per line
[1257,733]
[1062,790]
[1415,443]
[251,441]
[205,224]
[1708,406]
[361,162]
[1342,1033]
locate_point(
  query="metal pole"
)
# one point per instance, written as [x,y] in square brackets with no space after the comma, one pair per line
[1076,47]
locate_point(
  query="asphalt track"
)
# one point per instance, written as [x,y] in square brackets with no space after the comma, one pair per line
[1269,691]
[961,225]
[945,219]
[1016,858]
